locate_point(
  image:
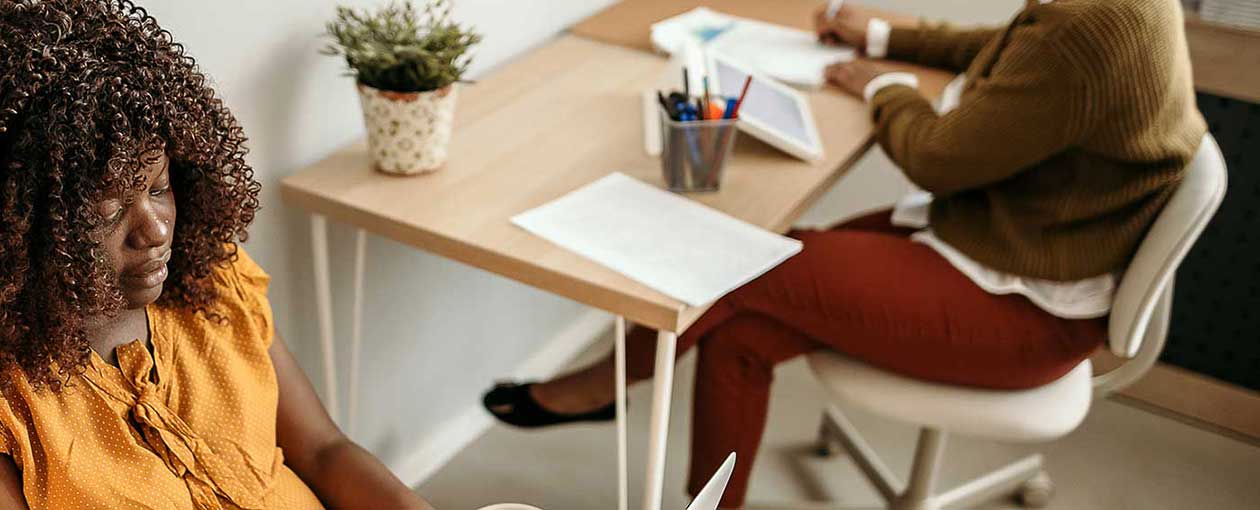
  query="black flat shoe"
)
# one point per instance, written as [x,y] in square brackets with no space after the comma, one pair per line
[512,404]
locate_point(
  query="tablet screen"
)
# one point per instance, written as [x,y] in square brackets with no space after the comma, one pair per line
[766,104]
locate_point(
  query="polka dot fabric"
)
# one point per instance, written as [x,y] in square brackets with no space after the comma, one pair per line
[191,425]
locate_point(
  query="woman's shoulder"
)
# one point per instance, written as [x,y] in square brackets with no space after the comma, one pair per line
[240,270]
[241,309]
[243,286]
[1108,38]
[1111,19]
[239,280]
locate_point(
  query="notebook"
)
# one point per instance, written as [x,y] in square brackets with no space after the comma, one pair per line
[677,246]
[784,53]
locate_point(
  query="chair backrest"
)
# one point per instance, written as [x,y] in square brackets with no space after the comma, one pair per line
[1139,315]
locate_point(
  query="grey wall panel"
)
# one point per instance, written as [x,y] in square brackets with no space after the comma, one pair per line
[1216,311]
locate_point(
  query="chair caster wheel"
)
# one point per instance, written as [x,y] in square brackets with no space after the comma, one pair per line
[1036,491]
[824,451]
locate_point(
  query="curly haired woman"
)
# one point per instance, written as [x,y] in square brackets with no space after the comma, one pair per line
[140,365]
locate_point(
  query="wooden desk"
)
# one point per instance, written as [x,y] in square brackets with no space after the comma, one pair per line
[550,122]
[628,23]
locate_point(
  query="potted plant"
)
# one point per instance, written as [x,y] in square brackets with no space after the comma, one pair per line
[406,66]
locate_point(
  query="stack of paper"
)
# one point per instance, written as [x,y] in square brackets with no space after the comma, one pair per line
[679,247]
[787,54]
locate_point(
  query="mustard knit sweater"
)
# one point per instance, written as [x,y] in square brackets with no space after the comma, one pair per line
[1075,127]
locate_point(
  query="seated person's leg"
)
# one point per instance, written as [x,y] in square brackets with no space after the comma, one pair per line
[878,297]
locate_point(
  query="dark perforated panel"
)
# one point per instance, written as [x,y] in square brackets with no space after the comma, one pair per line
[1216,310]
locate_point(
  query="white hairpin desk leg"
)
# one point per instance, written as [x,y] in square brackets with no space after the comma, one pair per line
[619,350]
[323,301]
[356,331]
[662,387]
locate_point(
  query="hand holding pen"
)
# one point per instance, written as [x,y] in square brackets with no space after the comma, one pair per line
[842,25]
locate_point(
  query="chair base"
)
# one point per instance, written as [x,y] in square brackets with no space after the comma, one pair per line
[1024,478]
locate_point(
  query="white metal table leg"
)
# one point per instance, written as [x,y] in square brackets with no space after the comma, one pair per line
[356,330]
[323,301]
[662,387]
[619,349]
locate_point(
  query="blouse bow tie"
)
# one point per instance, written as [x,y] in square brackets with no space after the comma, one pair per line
[184,453]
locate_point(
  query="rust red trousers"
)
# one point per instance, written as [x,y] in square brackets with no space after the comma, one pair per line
[865,289]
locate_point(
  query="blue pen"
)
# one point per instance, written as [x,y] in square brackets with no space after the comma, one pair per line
[694,154]
[682,108]
[730,109]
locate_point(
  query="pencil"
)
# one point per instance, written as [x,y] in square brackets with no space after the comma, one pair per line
[740,102]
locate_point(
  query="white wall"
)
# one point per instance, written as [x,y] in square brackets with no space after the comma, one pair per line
[436,332]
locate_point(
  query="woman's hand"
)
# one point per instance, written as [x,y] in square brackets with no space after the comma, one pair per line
[848,27]
[852,77]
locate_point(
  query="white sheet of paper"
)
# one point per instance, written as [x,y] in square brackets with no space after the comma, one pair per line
[784,53]
[790,55]
[679,247]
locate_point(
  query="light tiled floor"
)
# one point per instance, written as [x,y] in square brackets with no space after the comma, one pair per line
[1121,458]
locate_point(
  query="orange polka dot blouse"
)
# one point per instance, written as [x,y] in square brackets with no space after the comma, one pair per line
[192,426]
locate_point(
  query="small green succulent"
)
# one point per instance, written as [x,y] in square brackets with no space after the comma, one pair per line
[395,48]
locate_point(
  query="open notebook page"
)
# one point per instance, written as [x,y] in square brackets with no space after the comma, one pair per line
[679,247]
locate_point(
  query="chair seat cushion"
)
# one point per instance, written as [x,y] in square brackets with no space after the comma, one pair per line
[1037,414]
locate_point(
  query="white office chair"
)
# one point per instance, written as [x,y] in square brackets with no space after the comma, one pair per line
[1138,326]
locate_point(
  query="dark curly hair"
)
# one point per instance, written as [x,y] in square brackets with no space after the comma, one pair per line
[87,87]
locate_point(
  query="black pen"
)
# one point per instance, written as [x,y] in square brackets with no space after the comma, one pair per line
[674,99]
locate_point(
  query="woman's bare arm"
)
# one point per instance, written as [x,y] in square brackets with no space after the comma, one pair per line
[11,497]
[341,473]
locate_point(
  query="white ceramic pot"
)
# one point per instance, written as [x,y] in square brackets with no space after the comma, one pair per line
[408,132]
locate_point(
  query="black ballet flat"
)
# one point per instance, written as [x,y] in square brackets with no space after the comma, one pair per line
[512,404]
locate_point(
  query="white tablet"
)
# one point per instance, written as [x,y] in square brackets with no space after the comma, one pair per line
[773,112]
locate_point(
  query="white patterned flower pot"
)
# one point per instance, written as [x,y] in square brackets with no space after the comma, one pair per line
[408,132]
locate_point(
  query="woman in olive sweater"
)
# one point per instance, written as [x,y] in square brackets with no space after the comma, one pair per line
[1039,173]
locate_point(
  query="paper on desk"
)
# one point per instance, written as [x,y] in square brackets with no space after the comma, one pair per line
[785,53]
[674,245]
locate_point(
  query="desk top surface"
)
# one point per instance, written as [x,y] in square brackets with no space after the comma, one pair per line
[547,123]
[628,22]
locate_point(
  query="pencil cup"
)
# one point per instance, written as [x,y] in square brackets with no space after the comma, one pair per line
[694,153]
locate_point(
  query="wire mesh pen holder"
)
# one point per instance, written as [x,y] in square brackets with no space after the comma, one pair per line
[694,153]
